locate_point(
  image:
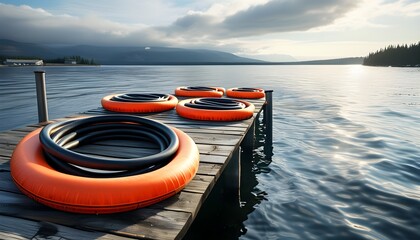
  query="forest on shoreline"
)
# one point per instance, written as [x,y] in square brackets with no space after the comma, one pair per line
[395,56]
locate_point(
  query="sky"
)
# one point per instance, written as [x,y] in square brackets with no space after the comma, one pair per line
[272,30]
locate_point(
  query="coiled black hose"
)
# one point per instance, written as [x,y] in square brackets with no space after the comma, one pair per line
[199,88]
[58,139]
[215,104]
[246,89]
[141,97]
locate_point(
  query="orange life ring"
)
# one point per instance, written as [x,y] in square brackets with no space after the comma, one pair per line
[249,93]
[199,91]
[38,180]
[221,89]
[138,107]
[213,114]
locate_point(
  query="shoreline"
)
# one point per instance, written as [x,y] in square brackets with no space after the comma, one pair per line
[64,64]
[53,65]
[207,64]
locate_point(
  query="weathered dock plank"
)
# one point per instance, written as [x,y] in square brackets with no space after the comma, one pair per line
[155,223]
[23,218]
[18,228]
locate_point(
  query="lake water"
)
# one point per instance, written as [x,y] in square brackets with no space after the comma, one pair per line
[345,159]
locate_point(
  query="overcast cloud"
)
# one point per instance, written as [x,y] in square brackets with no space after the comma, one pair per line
[230,25]
[282,16]
[20,22]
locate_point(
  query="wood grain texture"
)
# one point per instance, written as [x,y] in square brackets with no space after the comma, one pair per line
[18,228]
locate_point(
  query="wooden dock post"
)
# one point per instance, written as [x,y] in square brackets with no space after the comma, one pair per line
[41,96]
[249,138]
[233,175]
[268,116]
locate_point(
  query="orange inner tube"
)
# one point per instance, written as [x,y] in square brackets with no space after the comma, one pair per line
[138,107]
[206,92]
[215,115]
[38,180]
[254,93]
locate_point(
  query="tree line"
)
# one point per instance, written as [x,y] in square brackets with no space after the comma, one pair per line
[396,56]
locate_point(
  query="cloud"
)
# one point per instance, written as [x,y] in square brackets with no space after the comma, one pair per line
[19,22]
[26,24]
[285,16]
[270,17]
[240,26]
[148,13]
[374,15]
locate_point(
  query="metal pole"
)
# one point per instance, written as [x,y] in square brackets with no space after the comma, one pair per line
[41,96]
[268,115]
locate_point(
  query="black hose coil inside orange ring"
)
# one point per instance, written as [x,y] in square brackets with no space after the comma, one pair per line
[141,97]
[199,88]
[215,104]
[58,139]
[246,89]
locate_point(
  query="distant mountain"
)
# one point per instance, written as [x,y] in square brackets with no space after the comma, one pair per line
[146,55]
[123,55]
[18,49]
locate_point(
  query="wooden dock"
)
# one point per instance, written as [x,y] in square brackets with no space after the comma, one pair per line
[218,142]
